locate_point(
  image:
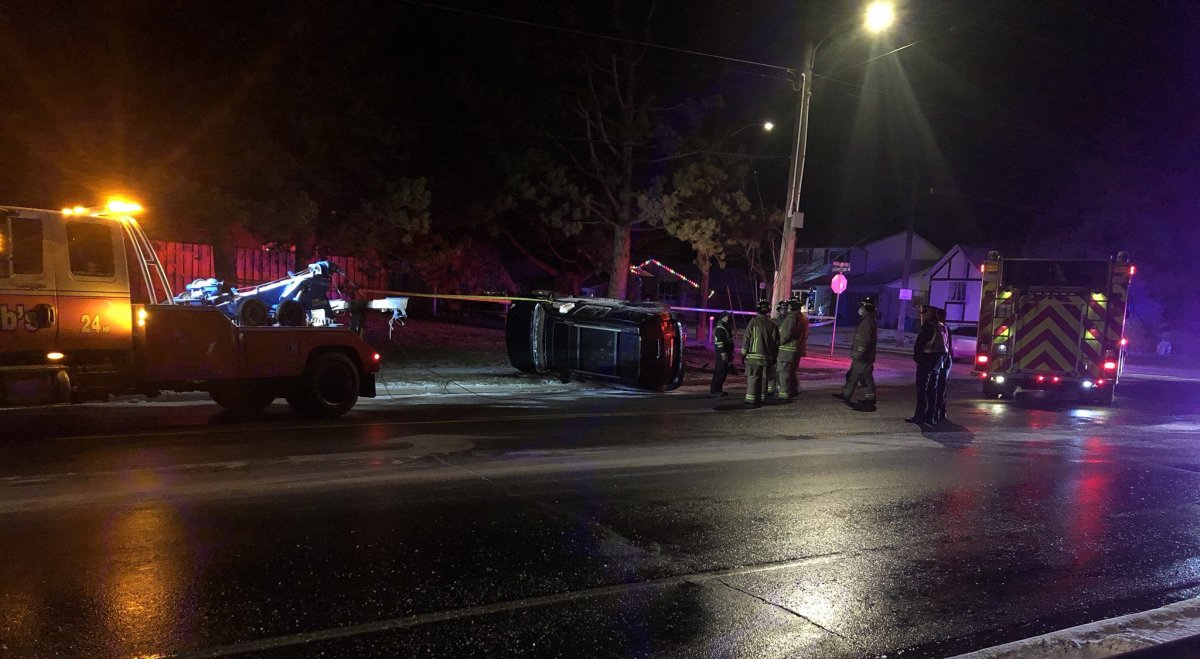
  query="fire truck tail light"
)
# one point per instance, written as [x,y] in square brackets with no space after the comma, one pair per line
[54,356]
[141,317]
[981,359]
[375,356]
[1099,383]
[1110,366]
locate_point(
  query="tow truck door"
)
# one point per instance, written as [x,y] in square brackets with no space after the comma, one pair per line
[93,286]
[28,326]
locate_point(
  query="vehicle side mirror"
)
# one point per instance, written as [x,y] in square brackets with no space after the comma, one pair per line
[40,316]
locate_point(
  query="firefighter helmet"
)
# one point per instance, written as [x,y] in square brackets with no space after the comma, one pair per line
[763,306]
[868,303]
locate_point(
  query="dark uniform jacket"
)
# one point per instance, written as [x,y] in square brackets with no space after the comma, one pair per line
[793,333]
[760,343]
[862,348]
[723,338]
[933,341]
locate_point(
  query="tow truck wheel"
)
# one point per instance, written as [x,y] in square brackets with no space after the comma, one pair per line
[240,396]
[328,388]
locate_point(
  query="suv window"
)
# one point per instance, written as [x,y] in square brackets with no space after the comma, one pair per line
[965,330]
[90,249]
[20,246]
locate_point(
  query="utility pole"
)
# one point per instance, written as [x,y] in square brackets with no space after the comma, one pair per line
[792,217]
[903,308]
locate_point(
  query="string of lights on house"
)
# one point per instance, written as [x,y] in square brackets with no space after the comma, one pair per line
[635,268]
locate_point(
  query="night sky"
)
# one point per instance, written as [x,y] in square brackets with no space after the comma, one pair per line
[1026,126]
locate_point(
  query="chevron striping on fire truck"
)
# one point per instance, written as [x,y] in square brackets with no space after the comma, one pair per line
[1053,325]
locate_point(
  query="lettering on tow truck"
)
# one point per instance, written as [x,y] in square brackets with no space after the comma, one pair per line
[11,319]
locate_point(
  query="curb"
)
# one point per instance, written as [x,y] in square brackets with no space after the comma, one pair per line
[1168,631]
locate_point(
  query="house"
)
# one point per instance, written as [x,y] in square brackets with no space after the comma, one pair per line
[873,267]
[956,284]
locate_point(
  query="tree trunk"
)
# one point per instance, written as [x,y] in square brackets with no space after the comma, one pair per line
[705,273]
[619,277]
[224,260]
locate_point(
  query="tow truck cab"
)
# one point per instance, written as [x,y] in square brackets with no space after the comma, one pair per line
[86,311]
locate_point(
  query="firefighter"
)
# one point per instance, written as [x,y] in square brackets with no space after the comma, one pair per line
[781,312]
[793,340]
[862,358]
[928,351]
[760,348]
[939,407]
[722,352]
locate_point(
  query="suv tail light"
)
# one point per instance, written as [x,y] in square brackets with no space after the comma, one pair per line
[981,359]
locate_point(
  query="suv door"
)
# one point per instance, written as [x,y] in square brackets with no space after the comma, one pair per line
[28,323]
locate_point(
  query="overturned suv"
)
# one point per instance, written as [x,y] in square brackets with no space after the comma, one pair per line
[635,345]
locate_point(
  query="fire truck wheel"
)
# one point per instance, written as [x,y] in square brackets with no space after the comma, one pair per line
[328,388]
[239,396]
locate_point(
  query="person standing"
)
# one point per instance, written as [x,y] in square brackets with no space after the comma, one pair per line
[760,348]
[928,351]
[862,358]
[939,407]
[722,352]
[781,310]
[793,342]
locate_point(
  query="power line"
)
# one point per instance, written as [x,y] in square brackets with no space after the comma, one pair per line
[595,35]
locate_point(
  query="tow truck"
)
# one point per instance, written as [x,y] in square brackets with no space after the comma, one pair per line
[1056,326]
[87,312]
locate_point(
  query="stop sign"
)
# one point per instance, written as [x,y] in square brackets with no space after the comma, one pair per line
[838,284]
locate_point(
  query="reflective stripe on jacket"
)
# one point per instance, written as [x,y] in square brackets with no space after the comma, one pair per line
[760,344]
[793,333]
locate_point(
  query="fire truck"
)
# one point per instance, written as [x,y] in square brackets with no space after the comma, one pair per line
[87,311]
[1053,325]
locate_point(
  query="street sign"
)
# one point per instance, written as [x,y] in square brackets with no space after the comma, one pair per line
[839,283]
[841,266]
[905,293]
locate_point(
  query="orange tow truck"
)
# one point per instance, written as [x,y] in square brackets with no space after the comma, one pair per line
[86,311]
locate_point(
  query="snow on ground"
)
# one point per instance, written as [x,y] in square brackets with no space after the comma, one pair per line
[1106,637]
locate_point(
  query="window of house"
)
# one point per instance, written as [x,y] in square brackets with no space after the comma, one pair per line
[958,291]
[90,249]
[20,246]
[668,290]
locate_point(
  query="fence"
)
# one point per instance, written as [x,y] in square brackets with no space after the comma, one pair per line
[186,262]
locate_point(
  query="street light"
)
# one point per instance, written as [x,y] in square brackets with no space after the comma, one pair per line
[879,16]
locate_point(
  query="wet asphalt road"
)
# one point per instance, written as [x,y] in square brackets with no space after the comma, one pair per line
[594,524]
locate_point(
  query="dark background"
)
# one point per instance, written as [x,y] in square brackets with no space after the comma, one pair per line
[1040,128]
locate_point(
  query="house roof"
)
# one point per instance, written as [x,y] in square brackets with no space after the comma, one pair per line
[974,255]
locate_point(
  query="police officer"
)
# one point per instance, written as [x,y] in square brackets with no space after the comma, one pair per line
[939,407]
[793,342]
[722,352]
[862,358]
[760,348]
[928,351]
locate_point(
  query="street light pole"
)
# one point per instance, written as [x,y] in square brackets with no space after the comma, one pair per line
[879,17]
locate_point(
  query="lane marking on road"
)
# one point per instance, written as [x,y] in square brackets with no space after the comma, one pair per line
[260,428]
[405,622]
